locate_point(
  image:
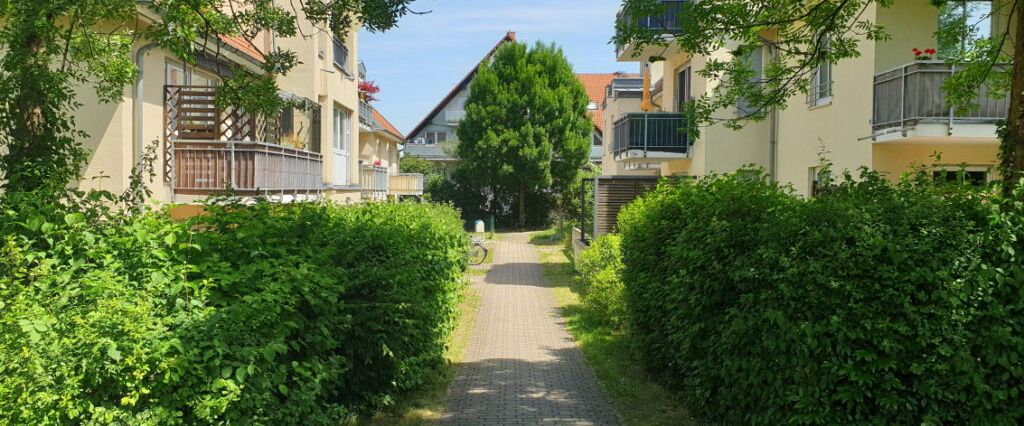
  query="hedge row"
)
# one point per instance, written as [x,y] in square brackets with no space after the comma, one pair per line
[872,304]
[301,314]
[599,275]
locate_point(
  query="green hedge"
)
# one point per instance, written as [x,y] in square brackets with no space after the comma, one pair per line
[599,274]
[873,304]
[299,314]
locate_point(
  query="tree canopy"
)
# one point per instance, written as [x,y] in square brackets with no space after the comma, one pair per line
[527,128]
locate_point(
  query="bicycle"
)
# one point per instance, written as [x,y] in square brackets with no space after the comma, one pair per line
[477,252]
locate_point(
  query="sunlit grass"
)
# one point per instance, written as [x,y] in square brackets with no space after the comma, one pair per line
[637,399]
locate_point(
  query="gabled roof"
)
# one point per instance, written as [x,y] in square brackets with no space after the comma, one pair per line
[386,125]
[510,37]
[596,86]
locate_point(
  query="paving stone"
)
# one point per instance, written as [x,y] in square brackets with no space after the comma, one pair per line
[521,366]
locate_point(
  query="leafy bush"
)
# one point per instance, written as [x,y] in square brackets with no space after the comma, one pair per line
[599,270]
[270,314]
[868,305]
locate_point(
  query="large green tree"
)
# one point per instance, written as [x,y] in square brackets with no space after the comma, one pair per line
[53,47]
[803,34]
[527,128]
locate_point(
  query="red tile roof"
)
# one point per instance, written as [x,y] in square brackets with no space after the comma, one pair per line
[386,125]
[596,85]
[244,46]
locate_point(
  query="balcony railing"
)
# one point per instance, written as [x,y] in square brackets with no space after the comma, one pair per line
[667,22]
[913,94]
[374,182]
[210,149]
[205,167]
[366,115]
[406,184]
[652,132]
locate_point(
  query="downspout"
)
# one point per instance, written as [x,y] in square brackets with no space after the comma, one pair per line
[139,145]
[773,141]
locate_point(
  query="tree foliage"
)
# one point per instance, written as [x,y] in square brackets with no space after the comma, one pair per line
[801,35]
[526,129]
[52,48]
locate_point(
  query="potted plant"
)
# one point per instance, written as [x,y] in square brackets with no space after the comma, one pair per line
[366,91]
[924,55]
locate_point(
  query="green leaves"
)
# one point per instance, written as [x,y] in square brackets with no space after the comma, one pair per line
[874,303]
[344,309]
[527,129]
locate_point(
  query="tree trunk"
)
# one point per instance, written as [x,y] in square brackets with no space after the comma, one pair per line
[1012,151]
[522,206]
[33,152]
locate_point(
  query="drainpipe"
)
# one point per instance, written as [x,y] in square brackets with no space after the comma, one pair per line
[773,151]
[139,145]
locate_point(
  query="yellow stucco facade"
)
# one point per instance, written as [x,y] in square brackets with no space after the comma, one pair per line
[844,128]
[119,132]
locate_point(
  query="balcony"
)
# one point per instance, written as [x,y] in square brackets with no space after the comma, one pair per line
[667,23]
[366,115]
[454,116]
[211,150]
[374,182]
[405,184]
[909,102]
[377,184]
[651,137]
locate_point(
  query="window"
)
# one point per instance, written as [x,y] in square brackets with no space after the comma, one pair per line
[436,137]
[683,87]
[968,20]
[817,177]
[177,75]
[598,141]
[341,131]
[755,60]
[974,176]
[821,82]
[340,55]
[287,123]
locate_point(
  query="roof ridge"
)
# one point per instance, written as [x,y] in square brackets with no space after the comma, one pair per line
[510,37]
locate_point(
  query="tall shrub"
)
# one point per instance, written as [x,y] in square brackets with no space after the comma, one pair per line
[268,314]
[600,278]
[854,307]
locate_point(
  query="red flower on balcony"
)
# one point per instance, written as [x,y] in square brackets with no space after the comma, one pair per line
[923,55]
[366,91]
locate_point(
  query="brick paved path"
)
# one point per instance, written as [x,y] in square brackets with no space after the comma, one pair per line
[522,367]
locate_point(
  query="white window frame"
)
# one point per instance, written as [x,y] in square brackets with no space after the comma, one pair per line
[685,91]
[743,110]
[432,137]
[817,96]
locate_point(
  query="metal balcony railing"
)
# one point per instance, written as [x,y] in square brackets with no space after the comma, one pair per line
[913,93]
[366,115]
[373,180]
[667,22]
[652,132]
[207,167]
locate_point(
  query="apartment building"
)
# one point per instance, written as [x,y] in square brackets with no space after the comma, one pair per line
[884,110]
[310,150]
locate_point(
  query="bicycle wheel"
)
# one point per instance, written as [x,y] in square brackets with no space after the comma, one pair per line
[477,254]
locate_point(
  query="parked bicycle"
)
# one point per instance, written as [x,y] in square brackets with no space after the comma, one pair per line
[477,252]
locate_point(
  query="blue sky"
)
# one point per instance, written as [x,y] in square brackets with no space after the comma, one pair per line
[417,63]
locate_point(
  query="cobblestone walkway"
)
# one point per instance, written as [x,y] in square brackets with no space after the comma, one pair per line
[522,367]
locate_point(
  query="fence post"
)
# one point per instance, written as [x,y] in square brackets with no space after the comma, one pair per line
[231,166]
